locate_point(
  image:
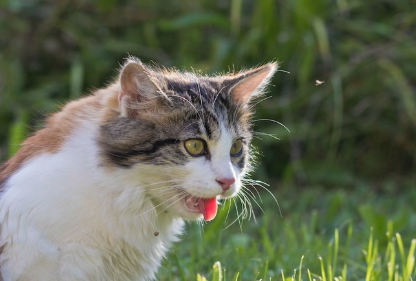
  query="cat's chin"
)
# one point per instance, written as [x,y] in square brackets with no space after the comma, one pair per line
[189,212]
[195,208]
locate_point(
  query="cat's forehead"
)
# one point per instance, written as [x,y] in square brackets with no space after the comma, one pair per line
[193,86]
[207,105]
[211,122]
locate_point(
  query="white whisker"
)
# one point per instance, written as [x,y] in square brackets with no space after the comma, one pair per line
[180,195]
[266,134]
[167,207]
[255,201]
[229,206]
[259,101]
[274,121]
[251,210]
[219,92]
[238,217]
[263,185]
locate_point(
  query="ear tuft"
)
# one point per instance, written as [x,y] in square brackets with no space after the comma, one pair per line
[249,84]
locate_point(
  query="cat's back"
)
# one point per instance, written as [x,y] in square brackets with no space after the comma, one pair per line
[58,129]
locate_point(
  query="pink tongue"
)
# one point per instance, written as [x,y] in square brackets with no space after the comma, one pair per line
[208,207]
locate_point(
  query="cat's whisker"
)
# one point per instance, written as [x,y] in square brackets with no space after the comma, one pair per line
[256,182]
[247,206]
[259,101]
[145,187]
[229,206]
[245,211]
[169,188]
[215,99]
[252,212]
[148,198]
[274,121]
[248,191]
[135,192]
[158,182]
[184,99]
[261,184]
[156,195]
[139,189]
[250,209]
[258,193]
[236,219]
[170,205]
[255,201]
[181,196]
[230,224]
[243,205]
[266,134]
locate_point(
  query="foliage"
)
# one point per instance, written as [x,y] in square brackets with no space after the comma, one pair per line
[358,125]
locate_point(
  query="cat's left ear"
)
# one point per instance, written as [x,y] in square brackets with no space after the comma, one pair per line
[248,84]
[138,86]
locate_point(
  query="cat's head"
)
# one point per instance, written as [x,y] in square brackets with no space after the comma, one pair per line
[184,137]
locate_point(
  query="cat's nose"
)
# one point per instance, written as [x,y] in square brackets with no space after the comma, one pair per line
[226,183]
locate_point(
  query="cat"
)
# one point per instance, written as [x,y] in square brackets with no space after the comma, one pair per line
[102,191]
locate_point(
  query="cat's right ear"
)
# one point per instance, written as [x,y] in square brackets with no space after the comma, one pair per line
[246,85]
[137,85]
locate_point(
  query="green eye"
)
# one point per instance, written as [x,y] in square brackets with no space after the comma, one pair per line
[195,147]
[236,148]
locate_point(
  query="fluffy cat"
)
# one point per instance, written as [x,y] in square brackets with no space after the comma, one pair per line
[102,191]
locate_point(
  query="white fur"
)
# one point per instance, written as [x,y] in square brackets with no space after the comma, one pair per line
[198,177]
[203,173]
[63,218]
[66,217]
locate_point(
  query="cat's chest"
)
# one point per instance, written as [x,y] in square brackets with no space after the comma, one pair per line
[134,262]
[139,252]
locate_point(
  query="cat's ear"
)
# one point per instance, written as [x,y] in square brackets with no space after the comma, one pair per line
[248,84]
[137,85]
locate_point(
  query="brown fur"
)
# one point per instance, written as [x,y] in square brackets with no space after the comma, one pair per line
[51,138]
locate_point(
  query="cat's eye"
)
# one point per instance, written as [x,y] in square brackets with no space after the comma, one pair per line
[237,148]
[195,147]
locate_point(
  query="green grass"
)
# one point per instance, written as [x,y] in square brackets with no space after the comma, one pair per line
[335,237]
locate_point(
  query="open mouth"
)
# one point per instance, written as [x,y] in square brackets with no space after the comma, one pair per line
[205,206]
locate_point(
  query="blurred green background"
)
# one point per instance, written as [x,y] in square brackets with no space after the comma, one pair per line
[346,92]
[355,128]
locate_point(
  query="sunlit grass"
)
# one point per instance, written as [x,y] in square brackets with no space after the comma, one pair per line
[312,241]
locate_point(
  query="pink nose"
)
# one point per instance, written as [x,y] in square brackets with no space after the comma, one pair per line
[226,183]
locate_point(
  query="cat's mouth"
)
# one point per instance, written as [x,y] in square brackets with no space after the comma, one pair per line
[206,206]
